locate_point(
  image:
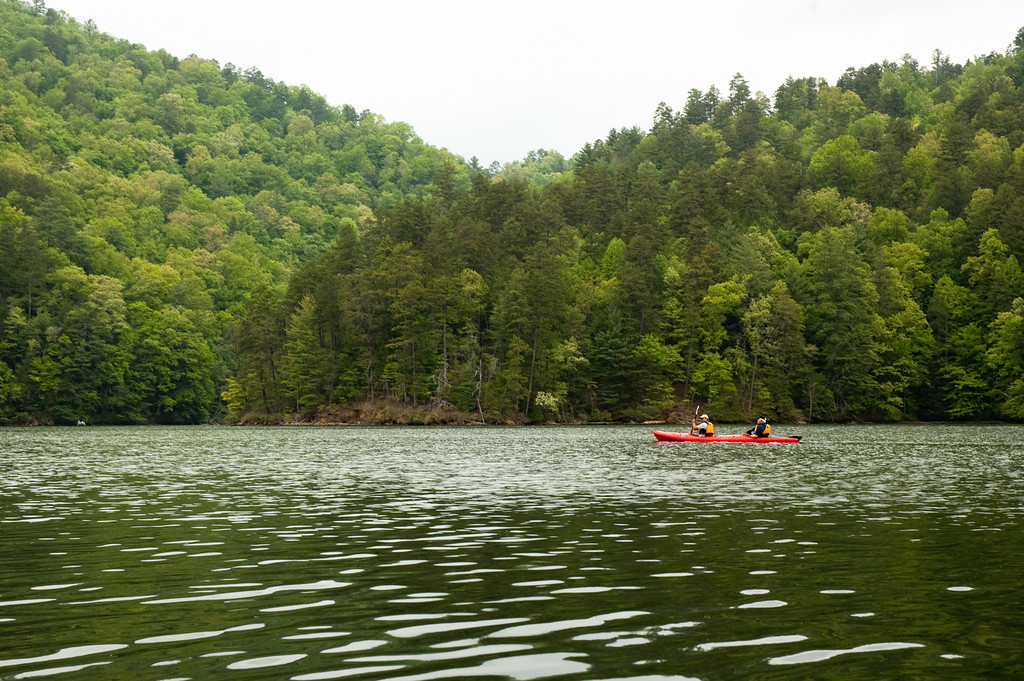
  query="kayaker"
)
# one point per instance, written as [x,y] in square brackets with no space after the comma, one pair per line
[705,428]
[762,429]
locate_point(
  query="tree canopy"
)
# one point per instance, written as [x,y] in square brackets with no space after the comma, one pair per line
[182,241]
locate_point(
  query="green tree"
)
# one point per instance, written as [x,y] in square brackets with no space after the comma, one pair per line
[1005,357]
[842,164]
[995,276]
[169,379]
[23,257]
[412,348]
[720,311]
[308,369]
[610,363]
[682,320]
[257,386]
[958,365]
[652,368]
[773,328]
[904,345]
[471,365]
[842,321]
[83,361]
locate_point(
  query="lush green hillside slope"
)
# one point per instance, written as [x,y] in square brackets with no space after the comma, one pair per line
[181,242]
[142,197]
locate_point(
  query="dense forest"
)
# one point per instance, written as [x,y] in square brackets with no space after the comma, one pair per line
[183,242]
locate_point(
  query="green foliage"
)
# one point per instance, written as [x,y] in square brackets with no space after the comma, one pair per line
[842,320]
[1005,357]
[182,242]
[179,186]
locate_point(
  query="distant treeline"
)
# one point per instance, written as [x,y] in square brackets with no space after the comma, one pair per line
[182,241]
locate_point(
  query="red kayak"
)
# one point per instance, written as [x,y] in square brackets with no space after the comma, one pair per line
[664,436]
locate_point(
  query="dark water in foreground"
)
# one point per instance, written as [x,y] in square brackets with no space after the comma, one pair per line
[522,553]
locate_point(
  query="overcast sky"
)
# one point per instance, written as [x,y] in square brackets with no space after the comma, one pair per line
[496,79]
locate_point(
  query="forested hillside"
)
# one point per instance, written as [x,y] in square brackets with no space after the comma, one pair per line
[181,242]
[143,198]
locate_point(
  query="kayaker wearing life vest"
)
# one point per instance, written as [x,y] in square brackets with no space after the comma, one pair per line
[705,428]
[762,429]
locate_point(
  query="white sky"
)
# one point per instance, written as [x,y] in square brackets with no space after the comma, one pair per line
[498,78]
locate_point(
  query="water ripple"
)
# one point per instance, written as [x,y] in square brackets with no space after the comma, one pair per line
[65,654]
[196,635]
[232,595]
[543,628]
[263,662]
[321,553]
[476,651]
[763,641]
[522,667]
[409,632]
[53,671]
[342,673]
[820,655]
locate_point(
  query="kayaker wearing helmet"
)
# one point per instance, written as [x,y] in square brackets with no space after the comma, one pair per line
[705,428]
[762,429]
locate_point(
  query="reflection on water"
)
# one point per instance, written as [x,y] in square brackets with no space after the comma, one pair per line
[523,553]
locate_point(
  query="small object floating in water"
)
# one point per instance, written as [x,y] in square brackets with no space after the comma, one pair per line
[665,436]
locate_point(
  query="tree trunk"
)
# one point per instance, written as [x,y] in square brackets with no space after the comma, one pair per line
[753,380]
[533,362]
[480,386]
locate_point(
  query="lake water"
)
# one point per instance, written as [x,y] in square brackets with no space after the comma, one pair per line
[863,552]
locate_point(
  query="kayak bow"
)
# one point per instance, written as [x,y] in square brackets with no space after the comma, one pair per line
[665,436]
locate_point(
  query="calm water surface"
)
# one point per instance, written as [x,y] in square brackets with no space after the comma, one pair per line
[523,553]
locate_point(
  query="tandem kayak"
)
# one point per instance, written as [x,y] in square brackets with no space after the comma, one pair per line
[665,436]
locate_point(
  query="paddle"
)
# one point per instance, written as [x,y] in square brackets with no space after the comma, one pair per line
[751,431]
